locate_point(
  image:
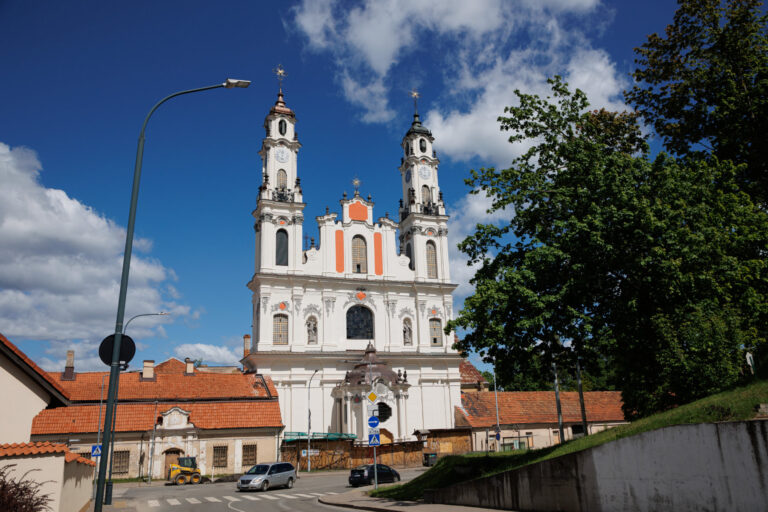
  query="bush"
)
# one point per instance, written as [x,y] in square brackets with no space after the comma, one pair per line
[21,495]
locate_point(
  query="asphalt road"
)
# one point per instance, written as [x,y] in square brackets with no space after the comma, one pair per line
[221,497]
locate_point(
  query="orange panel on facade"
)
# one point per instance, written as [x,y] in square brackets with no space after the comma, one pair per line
[378,261]
[358,211]
[339,251]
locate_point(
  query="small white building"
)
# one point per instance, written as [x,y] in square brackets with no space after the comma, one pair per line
[378,284]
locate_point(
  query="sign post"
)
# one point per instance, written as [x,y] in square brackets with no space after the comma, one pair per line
[373,422]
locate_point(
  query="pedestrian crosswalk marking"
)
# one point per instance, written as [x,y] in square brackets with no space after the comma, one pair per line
[194,501]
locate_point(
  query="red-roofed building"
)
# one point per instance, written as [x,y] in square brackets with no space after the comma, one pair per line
[227,419]
[528,419]
[27,390]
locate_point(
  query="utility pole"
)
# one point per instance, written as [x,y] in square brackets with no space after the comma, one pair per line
[581,398]
[559,409]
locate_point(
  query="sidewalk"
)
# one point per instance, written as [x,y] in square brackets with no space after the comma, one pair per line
[360,500]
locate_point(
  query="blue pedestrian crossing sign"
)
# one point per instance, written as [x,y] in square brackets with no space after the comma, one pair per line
[373,422]
[373,440]
[95,450]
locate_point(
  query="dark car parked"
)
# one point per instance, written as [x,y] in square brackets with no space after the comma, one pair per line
[363,475]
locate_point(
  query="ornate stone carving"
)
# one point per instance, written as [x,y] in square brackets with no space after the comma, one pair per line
[283,306]
[391,306]
[264,303]
[329,302]
[422,306]
[312,308]
[406,311]
[297,304]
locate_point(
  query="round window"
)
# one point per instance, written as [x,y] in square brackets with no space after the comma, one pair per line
[282,126]
[423,145]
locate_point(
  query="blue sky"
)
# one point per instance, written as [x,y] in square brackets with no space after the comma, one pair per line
[79,77]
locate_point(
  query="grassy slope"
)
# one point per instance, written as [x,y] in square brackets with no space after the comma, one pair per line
[734,405]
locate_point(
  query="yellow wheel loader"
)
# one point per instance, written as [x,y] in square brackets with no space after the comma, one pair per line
[185,472]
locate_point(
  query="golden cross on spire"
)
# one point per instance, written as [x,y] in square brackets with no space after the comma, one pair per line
[281,74]
[356,184]
[415,95]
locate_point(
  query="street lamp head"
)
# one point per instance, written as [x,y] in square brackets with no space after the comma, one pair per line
[233,82]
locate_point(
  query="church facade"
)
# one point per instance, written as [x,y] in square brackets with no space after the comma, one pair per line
[365,309]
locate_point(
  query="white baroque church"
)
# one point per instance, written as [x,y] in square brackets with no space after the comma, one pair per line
[369,303]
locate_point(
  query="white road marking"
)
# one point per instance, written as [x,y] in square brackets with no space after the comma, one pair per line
[304,495]
[331,492]
[173,501]
[153,503]
[252,498]
[286,496]
[317,494]
[192,500]
[211,498]
[231,498]
[267,496]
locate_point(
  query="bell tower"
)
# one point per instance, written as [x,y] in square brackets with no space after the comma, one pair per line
[279,212]
[423,222]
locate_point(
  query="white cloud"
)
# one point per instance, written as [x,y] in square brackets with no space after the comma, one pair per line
[60,267]
[208,353]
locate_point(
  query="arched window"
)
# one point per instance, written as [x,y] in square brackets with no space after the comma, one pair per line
[282,179]
[280,329]
[431,260]
[312,330]
[409,253]
[407,332]
[435,332]
[426,196]
[281,248]
[359,255]
[359,323]
[281,126]
[423,145]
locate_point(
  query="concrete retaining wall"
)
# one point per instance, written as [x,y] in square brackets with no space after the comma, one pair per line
[702,467]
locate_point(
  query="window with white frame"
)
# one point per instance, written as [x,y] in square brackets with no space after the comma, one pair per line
[431,260]
[359,255]
[282,179]
[436,331]
[280,330]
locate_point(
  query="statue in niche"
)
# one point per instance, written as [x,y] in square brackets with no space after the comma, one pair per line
[407,332]
[311,331]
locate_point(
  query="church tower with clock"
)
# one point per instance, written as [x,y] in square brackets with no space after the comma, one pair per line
[365,308]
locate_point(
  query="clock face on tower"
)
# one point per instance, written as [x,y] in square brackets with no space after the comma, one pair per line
[281,154]
[425,172]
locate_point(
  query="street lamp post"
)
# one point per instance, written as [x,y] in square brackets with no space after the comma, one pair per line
[114,371]
[309,423]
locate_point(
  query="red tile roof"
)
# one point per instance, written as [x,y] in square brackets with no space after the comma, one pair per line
[25,449]
[170,384]
[31,364]
[524,407]
[139,417]
[470,374]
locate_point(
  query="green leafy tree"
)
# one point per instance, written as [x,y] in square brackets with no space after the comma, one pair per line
[704,85]
[624,263]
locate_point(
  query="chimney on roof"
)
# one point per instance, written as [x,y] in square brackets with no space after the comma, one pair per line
[148,370]
[246,345]
[190,366]
[69,366]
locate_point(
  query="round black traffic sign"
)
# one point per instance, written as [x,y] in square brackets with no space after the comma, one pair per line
[127,349]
